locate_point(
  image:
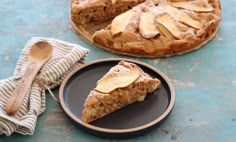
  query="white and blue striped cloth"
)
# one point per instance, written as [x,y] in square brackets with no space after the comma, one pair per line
[65,58]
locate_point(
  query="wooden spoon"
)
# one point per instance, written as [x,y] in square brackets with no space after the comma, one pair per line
[39,53]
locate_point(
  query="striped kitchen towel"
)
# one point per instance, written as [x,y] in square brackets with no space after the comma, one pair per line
[65,58]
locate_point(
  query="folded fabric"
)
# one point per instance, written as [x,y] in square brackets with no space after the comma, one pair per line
[65,58]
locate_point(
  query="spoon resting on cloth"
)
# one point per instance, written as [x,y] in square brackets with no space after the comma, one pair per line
[39,53]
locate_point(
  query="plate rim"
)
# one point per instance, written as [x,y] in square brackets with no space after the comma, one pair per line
[108,130]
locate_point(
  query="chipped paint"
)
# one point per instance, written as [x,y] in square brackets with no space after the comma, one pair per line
[196,124]
[155,61]
[6,58]
[234,82]
[194,67]
[182,84]
[217,37]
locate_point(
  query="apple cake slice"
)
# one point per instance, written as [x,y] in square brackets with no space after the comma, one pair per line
[123,84]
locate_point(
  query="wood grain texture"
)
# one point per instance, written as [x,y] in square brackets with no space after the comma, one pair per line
[204,80]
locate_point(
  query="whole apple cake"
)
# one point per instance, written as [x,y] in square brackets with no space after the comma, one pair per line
[146,28]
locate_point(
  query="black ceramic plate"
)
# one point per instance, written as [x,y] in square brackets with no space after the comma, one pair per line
[132,120]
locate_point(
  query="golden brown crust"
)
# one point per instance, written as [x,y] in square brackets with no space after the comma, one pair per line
[199,29]
[99,104]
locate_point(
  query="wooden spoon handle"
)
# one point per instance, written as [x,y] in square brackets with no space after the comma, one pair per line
[17,98]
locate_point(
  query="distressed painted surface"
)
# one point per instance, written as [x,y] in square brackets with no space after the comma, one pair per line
[204,80]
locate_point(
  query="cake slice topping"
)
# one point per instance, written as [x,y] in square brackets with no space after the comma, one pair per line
[147,25]
[120,23]
[181,16]
[118,77]
[198,5]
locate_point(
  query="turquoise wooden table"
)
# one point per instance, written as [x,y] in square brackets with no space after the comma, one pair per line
[204,80]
